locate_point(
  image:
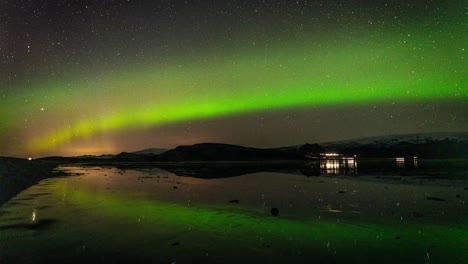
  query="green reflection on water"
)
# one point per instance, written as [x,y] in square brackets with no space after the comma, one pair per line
[86,222]
[234,233]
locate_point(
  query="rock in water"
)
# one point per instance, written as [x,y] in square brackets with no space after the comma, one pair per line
[274,211]
[435,199]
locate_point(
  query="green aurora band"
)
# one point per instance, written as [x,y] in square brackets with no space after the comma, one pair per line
[368,70]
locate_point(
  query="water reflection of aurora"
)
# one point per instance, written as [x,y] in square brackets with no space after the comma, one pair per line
[253,231]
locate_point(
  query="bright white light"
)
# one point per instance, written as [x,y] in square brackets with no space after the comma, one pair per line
[33,217]
[29,158]
[400,162]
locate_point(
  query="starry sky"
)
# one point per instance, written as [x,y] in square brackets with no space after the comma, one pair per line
[92,77]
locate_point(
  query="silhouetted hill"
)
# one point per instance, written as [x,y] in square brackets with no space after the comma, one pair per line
[226,152]
[103,156]
[311,150]
[126,156]
[432,145]
[153,151]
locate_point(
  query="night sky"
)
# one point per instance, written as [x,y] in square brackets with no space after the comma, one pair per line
[92,77]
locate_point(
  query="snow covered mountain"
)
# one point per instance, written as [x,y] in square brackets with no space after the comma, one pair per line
[429,145]
[391,140]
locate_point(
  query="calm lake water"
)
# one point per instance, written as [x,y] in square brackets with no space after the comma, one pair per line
[369,211]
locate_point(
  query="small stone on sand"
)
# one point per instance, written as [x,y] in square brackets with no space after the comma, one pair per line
[274,211]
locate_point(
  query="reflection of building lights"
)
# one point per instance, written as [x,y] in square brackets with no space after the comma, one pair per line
[338,164]
[400,162]
[332,166]
[33,217]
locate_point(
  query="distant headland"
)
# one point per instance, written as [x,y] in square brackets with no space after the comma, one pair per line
[425,145]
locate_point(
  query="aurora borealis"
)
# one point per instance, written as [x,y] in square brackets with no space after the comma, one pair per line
[88,77]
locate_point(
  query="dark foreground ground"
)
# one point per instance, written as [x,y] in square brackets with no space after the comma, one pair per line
[19,174]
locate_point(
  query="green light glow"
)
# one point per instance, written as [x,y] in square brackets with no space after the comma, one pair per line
[301,74]
[241,226]
[107,211]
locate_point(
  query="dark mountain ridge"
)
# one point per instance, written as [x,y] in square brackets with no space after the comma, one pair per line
[227,152]
[433,145]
